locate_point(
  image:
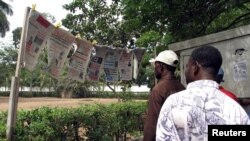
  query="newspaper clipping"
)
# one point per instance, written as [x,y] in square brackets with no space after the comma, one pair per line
[110,65]
[59,46]
[79,61]
[240,70]
[95,63]
[125,65]
[38,31]
[138,54]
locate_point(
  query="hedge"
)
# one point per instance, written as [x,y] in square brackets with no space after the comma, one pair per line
[101,94]
[119,121]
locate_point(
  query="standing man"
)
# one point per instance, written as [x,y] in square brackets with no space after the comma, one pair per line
[185,116]
[164,67]
[219,79]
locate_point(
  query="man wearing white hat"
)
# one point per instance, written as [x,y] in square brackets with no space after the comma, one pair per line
[164,67]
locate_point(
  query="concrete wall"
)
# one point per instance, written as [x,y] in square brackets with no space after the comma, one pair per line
[234,46]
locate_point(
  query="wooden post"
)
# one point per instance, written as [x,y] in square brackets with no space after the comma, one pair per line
[13,99]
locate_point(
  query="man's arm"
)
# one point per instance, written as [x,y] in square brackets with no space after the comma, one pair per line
[154,107]
[165,129]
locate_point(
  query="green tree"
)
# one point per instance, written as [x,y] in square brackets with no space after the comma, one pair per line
[8,57]
[16,34]
[180,20]
[5,9]
[96,20]
[185,19]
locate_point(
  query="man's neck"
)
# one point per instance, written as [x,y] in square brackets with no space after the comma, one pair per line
[168,75]
[205,76]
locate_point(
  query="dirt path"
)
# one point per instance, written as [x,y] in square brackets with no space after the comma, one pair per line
[32,103]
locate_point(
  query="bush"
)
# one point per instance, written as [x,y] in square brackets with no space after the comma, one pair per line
[80,94]
[33,94]
[3,123]
[116,121]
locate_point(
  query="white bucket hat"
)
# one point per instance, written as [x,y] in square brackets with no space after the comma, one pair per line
[168,57]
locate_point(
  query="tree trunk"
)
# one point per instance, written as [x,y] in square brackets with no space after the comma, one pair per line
[66,94]
[113,90]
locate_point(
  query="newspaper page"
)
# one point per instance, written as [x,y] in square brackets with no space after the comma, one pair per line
[240,70]
[59,45]
[95,64]
[138,54]
[79,61]
[38,31]
[125,65]
[110,64]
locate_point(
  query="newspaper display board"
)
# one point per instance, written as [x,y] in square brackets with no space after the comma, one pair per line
[38,31]
[125,65]
[110,64]
[138,54]
[79,61]
[59,45]
[117,64]
[95,64]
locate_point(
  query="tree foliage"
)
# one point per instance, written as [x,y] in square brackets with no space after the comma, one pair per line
[185,19]
[8,57]
[95,20]
[5,9]
[181,19]
[16,34]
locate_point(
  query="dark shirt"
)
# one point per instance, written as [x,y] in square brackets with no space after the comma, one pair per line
[165,87]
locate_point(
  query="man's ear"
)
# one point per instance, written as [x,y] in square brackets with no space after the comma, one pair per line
[196,67]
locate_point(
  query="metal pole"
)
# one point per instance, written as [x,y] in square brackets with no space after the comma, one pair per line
[13,99]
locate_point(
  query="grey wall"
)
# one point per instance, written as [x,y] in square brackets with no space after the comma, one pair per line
[234,46]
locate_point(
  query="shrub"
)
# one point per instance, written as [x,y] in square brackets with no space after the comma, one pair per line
[79,94]
[116,121]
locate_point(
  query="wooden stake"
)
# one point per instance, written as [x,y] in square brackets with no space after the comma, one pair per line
[13,99]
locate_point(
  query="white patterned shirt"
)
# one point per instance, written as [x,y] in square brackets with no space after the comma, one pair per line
[185,116]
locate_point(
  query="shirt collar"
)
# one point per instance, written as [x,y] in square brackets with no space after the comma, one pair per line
[203,83]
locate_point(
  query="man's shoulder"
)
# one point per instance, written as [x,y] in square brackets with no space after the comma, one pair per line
[171,83]
[178,95]
[175,99]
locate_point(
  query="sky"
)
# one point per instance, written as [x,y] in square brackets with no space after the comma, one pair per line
[54,7]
